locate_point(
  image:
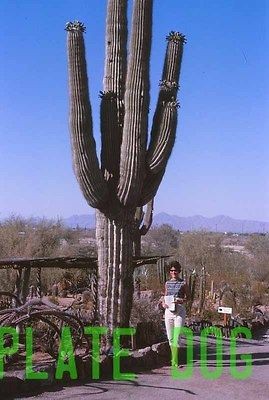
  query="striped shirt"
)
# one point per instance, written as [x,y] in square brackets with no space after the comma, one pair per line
[175,288]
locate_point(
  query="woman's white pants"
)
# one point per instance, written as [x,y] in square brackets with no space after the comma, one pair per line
[174,320]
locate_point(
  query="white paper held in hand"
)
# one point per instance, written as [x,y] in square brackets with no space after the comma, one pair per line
[170,301]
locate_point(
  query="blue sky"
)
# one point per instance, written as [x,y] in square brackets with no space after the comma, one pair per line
[220,162]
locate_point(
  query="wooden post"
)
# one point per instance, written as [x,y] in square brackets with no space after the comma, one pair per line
[137,287]
[93,287]
[25,284]
[38,282]
[161,270]
[17,289]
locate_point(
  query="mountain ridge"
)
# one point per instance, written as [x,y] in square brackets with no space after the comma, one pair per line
[218,223]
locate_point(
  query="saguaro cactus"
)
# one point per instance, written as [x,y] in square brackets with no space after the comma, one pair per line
[202,289]
[130,172]
[192,288]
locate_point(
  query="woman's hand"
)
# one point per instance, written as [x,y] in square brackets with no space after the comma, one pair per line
[165,305]
[179,300]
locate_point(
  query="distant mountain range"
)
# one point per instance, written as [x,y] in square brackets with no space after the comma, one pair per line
[220,223]
[81,221]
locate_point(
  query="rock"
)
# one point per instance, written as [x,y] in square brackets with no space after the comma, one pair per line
[149,357]
[80,366]
[106,365]
[10,386]
[137,360]
[128,364]
[15,381]
[50,369]
[86,367]
[162,349]
[145,350]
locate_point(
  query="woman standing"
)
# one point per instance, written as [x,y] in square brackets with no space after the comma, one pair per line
[177,288]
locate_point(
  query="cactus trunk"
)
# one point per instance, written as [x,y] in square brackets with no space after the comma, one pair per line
[115,272]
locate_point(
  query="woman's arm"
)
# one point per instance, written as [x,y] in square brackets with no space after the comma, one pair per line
[185,292]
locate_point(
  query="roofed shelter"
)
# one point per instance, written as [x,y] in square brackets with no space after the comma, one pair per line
[23,268]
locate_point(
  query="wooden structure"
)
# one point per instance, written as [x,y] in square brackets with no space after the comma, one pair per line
[23,268]
[68,262]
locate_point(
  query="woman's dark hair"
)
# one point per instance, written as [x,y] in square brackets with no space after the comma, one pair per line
[175,264]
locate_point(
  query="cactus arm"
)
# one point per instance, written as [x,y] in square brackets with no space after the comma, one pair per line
[164,124]
[160,153]
[116,48]
[150,186]
[110,138]
[148,218]
[112,108]
[136,102]
[173,57]
[165,118]
[85,161]
[153,178]
[139,215]
[142,224]
[143,220]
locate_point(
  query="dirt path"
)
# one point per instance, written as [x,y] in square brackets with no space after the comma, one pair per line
[158,384]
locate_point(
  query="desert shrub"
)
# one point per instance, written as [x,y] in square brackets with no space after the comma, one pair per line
[211,315]
[149,322]
[145,310]
[29,238]
[160,240]
[7,279]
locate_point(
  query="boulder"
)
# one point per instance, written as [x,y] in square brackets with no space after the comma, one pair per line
[162,349]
